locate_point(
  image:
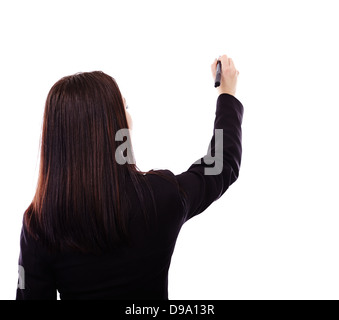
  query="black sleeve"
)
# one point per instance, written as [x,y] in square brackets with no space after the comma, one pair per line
[208,178]
[36,280]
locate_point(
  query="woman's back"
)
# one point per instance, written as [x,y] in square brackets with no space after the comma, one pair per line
[136,268]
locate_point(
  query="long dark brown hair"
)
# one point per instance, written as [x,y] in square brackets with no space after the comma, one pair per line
[80,201]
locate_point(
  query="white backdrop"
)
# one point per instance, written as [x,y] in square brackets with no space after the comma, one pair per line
[274,234]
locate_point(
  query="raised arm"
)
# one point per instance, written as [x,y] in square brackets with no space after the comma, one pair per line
[209,177]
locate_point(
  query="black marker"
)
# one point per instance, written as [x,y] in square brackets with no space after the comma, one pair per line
[218,75]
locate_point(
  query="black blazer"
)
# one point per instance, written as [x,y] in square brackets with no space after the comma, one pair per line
[140,270]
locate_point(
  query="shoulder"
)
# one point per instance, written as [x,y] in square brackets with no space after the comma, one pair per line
[170,203]
[162,176]
[164,184]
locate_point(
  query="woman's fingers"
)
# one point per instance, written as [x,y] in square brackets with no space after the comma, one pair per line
[229,75]
[224,60]
[214,67]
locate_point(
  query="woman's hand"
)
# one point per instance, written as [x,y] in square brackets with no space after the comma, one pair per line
[229,75]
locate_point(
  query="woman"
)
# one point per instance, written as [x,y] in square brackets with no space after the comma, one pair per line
[97,227]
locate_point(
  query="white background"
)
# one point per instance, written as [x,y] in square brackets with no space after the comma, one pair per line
[274,234]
